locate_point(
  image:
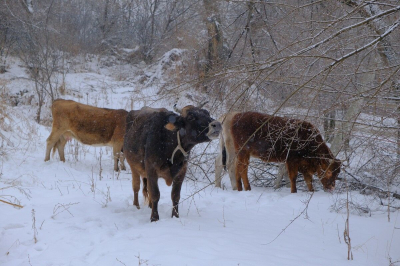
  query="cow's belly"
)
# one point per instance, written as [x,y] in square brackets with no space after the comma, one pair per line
[166,175]
[91,139]
[267,151]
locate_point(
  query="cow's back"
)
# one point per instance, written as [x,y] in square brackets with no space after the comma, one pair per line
[274,138]
[90,125]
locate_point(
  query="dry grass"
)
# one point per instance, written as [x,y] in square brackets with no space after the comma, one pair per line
[7,187]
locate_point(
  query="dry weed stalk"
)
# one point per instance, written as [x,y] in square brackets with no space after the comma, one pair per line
[76,151]
[107,197]
[101,168]
[93,184]
[10,199]
[346,233]
[141,261]
[59,208]
[35,232]
[120,261]
[223,217]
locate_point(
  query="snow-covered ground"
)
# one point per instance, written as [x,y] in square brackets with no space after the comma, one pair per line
[80,212]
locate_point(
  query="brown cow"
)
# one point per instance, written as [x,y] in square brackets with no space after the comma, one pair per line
[89,125]
[275,139]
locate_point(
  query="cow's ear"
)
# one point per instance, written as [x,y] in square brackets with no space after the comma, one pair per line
[174,123]
[171,127]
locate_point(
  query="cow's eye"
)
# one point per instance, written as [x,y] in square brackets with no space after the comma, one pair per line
[191,118]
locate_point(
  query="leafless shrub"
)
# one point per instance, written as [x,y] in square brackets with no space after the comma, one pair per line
[60,208]
[9,186]
[107,197]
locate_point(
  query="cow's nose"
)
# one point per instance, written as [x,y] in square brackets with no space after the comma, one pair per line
[216,125]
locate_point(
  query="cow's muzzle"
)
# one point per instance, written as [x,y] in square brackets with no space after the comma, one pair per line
[214,129]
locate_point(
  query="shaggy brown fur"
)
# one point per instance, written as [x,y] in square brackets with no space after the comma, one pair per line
[89,125]
[277,139]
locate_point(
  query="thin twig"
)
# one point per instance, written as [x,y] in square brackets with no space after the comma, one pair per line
[292,221]
[13,204]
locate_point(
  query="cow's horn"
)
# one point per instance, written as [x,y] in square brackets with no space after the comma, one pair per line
[202,104]
[176,109]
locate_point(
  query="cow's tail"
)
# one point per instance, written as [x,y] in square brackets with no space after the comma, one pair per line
[223,151]
[145,191]
[130,118]
[62,140]
[55,147]
[224,156]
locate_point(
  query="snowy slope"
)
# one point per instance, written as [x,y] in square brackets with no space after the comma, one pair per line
[83,212]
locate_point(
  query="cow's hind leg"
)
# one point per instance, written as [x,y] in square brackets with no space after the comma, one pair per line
[292,171]
[176,194]
[136,188]
[51,142]
[122,161]
[118,157]
[308,179]
[146,192]
[116,154]
[61,146]
[218,170]
[231,163]
[242,165]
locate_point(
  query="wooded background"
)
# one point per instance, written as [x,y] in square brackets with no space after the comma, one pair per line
[334,63]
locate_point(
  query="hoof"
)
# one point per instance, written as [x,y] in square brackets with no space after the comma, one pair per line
[154,218]
[175,214]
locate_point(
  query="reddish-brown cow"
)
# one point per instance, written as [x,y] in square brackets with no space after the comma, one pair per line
[89,125]
[274,139]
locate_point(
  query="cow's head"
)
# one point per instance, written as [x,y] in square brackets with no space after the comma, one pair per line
[331,170]
[195,124]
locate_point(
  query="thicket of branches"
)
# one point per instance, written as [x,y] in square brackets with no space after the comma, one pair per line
[335,63]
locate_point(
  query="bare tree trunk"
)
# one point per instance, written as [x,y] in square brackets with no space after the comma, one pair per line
[40,94]
[215,35]
[342,138]
[250,7]
[282,175]
[3,41]
[104,27]
[329,125]
[149,51]
[387,55]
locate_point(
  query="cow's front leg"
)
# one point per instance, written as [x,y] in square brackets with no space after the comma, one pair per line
[176,194]
[60,147]
[242,164]
[116,159]
[154,193]
[135,187]
[51,142]
[292,171]
[122,161]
